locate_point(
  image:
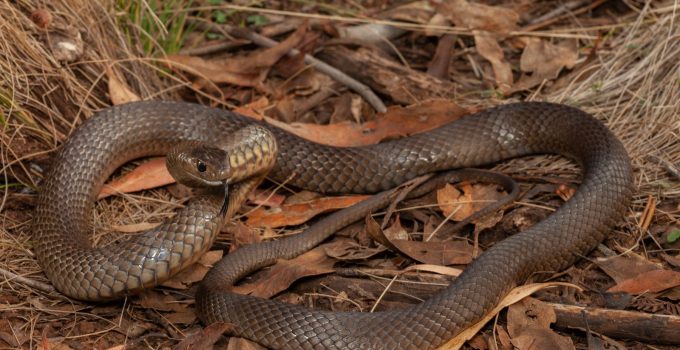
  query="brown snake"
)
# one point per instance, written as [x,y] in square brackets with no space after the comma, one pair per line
[119,134]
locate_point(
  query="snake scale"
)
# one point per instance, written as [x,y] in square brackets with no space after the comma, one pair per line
[116,135]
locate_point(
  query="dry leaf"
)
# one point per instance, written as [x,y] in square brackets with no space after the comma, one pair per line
[442,270]
[243,71]
[151,299]
[484,20]
[194,272]
[254,109]
[396,231]
[627,266]
[11,334]
[514,296]
[243,235]
[204,339]
[150,174]
[176,312]
[438,253]
[488,47]
[529,326]
[348,250]
[397,121]
[652,281]
[119,91]
[285,272]
[187,316]
[544,61]
[478,342]
[479,16]
[529,313]
[296,214]
[236,343]
[474,197]
[266,197]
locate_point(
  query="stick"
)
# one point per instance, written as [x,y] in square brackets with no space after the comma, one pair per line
[334,73]
[27,281]
[620,324]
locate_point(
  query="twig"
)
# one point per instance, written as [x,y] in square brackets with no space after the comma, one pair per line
[210,49]
[334,73]
[27,281]
[619,324]
[549,18]
[670,168]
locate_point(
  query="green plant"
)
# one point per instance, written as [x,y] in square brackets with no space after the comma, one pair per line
[158,26]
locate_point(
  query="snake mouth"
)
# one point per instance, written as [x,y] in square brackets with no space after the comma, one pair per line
[193,180]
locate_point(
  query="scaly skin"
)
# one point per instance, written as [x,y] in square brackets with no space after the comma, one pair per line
[122,133]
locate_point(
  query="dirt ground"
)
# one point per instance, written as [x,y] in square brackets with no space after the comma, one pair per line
[396,68]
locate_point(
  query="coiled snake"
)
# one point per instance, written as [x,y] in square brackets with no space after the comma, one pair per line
[121,133]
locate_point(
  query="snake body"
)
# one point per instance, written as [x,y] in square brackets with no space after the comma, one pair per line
[121,133]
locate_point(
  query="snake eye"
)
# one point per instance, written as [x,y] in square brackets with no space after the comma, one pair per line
[201,167]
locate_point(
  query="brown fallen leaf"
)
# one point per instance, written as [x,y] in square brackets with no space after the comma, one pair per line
[243,235]
[439,65]
[349,250]
[254,109]
[438,253]
[266,197]
[652,281]
[150,174]
[205,338]
[295,214]
[397,121]
[488,47]
[174,311]
[119,91]
[14,336]
[478,342]
[514,296]
[529,326]
[460,204]
[543,60]
[187,316]
[626,266]
[285,272]
[442,270]
[151,299]
[489,24]
[236,343]
[478,16]
[243,71]
[195,272]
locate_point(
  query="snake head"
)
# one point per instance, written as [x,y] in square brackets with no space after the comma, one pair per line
[198,164]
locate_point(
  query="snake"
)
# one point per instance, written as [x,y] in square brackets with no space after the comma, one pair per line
[115,135]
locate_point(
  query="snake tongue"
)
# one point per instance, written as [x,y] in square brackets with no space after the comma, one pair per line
[225,204]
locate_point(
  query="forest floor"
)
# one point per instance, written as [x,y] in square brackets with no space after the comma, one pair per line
[429,63]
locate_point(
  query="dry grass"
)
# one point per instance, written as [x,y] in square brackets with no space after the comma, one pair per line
[633,83]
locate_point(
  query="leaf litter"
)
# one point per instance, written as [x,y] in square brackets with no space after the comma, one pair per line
[490,53]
